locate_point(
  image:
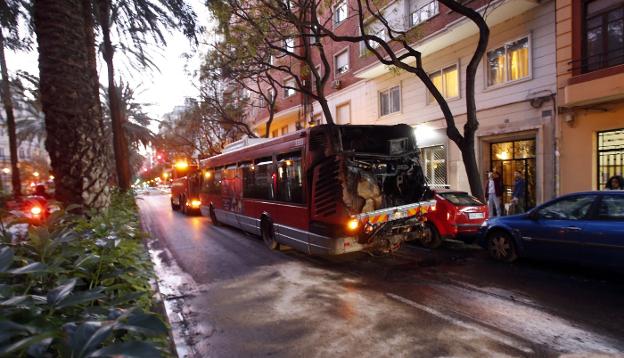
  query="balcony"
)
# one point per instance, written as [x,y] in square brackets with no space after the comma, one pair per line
[455,32]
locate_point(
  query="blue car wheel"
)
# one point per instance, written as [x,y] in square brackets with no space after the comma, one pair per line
[501,246]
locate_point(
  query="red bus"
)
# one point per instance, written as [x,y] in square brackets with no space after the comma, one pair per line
[324,190]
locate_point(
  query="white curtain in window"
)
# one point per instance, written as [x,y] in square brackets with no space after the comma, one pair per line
[342,62]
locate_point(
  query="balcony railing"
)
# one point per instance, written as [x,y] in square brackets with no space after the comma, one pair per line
[598,61]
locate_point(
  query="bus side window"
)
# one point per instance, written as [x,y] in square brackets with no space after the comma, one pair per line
[258,179]
[207,180]
[290,178]
[214,184]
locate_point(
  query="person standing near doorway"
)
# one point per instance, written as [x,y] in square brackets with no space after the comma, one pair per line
[517,196]
[494,192]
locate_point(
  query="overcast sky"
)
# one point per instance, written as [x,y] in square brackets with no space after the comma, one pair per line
[163,90]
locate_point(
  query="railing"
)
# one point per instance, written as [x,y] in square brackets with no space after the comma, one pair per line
[597,62]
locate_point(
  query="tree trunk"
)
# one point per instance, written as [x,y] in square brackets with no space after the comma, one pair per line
[71,103]
[8,108]
[120,143]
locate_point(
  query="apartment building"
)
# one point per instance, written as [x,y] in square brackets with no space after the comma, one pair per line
[590,81]
[32,159]
[516,86]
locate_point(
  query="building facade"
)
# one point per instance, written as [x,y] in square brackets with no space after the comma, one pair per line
[515,89]
[590,81]
[33,161]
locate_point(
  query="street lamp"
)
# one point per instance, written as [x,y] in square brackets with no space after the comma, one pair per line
[36,174]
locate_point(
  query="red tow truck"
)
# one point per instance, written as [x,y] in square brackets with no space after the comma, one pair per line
[185,187]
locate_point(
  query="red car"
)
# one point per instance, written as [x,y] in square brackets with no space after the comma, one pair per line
[458,215]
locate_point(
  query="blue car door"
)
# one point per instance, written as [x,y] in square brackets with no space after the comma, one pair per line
[556,227]
[603,237]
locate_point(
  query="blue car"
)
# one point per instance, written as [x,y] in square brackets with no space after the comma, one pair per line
[583,227]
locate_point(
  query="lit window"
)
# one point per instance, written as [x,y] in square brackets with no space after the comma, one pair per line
[275,133]
[610,155]
[289,88]
[434,165]
[341,62]
[447,82]
[423,11]
[340,12]
[289,44]
[390,101]
[508,63]
[284,130]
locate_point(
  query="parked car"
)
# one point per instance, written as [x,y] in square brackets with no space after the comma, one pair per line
[458,215]
[585,227]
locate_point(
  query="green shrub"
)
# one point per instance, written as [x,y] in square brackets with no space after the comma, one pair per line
[79,287]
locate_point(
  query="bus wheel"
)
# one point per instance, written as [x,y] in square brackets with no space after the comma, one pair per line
[213,216]
[183,207]
[174,207]
[431,237]
[268,234]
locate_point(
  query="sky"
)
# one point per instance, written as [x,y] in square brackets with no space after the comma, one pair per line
[163,89]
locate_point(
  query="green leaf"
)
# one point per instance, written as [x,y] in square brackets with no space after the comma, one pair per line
[79,338]
[80,297]
[59,293]
[128,350]
[30,268]
[26,342]
[6,258]
[96,339]
[145,323]
[86,260]
[14,301]
[10,329]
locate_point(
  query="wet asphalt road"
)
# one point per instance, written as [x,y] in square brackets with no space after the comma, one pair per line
[232,297]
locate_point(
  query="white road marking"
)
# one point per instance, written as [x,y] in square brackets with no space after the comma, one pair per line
[480,330]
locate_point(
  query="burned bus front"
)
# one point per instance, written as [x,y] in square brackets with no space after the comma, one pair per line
[378,186]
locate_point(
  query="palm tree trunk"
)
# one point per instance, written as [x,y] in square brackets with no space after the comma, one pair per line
[120,142]
[8,108]
[71,103]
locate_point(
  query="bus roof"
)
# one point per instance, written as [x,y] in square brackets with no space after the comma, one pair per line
[238,152]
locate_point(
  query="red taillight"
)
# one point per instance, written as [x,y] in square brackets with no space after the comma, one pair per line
[35,210]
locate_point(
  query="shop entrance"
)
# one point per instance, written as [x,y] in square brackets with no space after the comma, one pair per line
[506,158]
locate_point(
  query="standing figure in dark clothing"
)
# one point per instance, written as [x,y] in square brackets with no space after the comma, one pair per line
[517,196]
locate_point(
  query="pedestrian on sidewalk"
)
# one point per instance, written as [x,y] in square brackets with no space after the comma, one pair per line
[616,182]
[494,192]
[517,195]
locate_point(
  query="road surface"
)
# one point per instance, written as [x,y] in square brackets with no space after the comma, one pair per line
[229,296]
